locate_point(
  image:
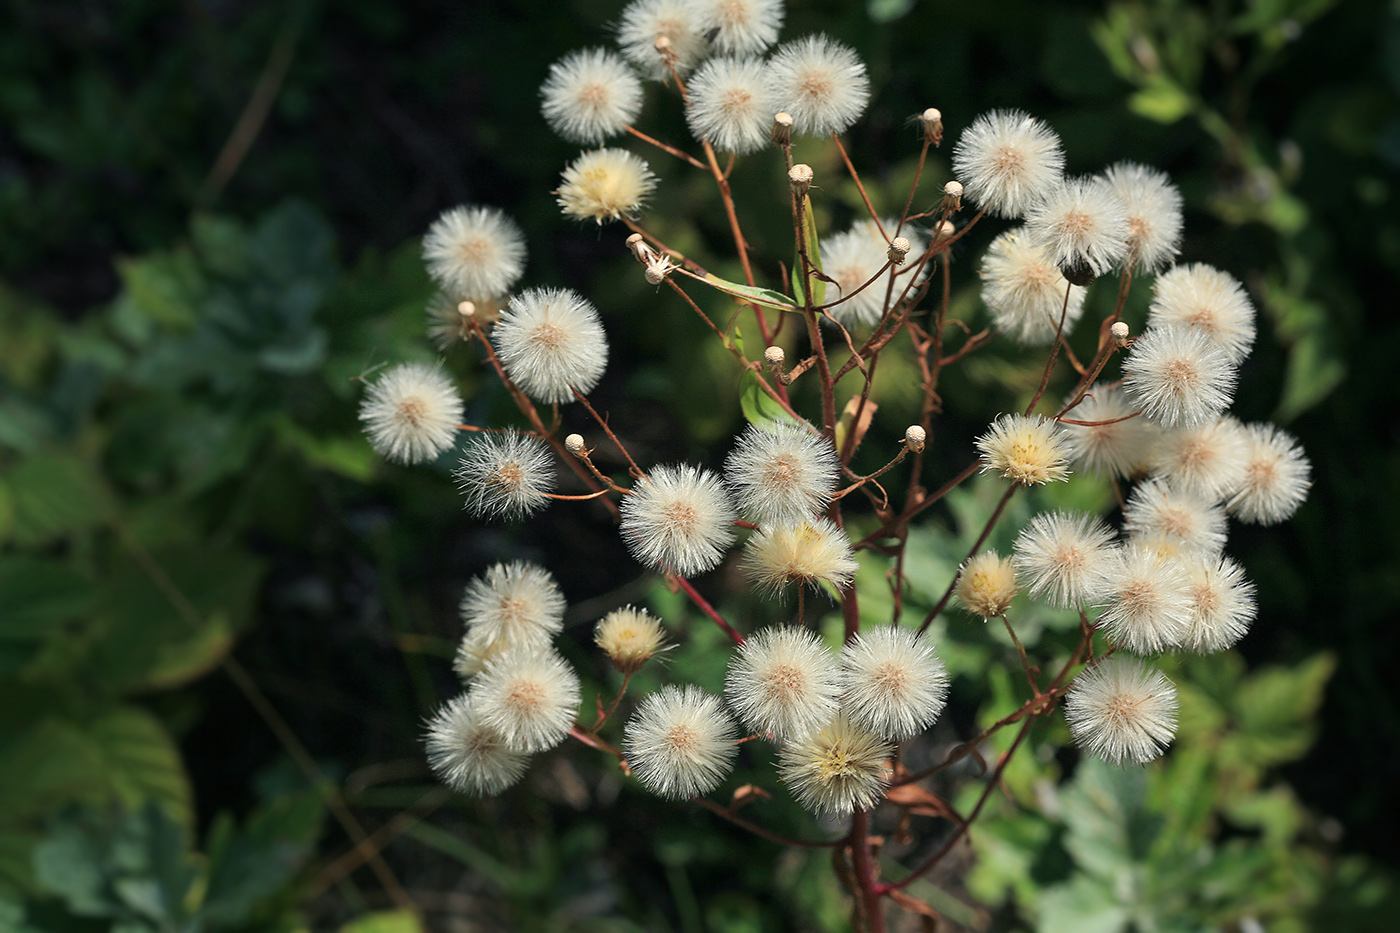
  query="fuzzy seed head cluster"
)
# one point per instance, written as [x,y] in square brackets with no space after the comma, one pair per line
[681,743]
[1114,443]
[741,27]
[1153,208]
[811,552]
[1209,461]
[783,681]
[821,83]
[1207,300]
[1006,161]
[474,253]
[1027,449]
[836,770]
[410,413]
[590,95]
[854,257]
[1149,608]
[679,22]
[529,696]
[730,105]
[605,184]
[1024,290]
[630,638]
[1275,480]
[551,342]
[986,584]
[468,755]
[1178,376]
[782,473]
[1081,224]
[678,520]
[515,605]
[1122,710]
[1065,558]
[509,475]
[1222,604]
[894,684]
[1157,508]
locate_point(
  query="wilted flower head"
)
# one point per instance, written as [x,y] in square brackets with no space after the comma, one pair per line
[1026,449]
[729,104]
[821,83]
[1207,300]
[605,184]
[1153,208]
[1024,290]
[1065,558]
[528,696]
[678,519]
[811,552]
[741,27]
[783,680]
[782,472]
[894,684]
[551,341]
[474,253]
[681,743]
[1006,160]
[986,584]
[590,94]
[507,474]
[1122,710]
[1081,224]
[679,22]
[1275,478]
[1178,376]
[837,770]
[411,413]
[630,638]
[471,757]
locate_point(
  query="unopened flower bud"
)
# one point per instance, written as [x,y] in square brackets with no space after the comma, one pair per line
[944,230]
[466,308]
[664,49]
[1119,330]
[630,638]
[800,177]
[782,129]
[915,437]
[932,120]
[574,444]
[952,196]
[640,248]
[774,357]
[899,248]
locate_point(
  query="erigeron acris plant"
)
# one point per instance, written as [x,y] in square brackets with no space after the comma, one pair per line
[1149,411]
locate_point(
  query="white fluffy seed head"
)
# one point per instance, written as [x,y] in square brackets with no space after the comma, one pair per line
[1195,522]
[678,22]
[507,474]
[529,697]
[851,258]
[515,604]
[551,341]
[1066,558]
[820,82]
[894,684]
[410,413]
[986,584]
[1122,710]
[836,770]
[1209,461]
[1178,376]
[1275,480]
[630,638]
[605,184]
[812,552]
[680,743]
[1081,224]
[474,253]
[1024,290]
[1007,160]
[1149,607]
[590,95]
[1205,299]
[678,520]
[729,104]
[783,681]
[1222,604]
[1153,208]
[741,27]
[781,473]
[1026,449]
[1110,447]
[469,756]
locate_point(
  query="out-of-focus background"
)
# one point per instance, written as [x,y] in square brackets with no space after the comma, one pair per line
[223,620]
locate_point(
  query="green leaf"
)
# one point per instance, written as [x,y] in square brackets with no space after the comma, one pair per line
[250,865]
[386,921]
[38,597]
[1162,100]
[758,406]
[54,494]
[140,761]
[760,296]
[1083,905]
[814,253]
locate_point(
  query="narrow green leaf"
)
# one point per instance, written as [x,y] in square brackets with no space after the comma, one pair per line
[760,296]
[758,406]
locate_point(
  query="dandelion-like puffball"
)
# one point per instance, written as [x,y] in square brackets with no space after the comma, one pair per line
[837,770]
[679,22]
[1026,449]
[1209,461]
[783,681]
[894,684]
[474,253]
[1275,478]
[678,520]
[782,473]
[681,743]
[1207,300]
[741,27]
[529,696]
[986,584]
[821,83]
[1024,290]
[508,474]
[605,184]
[1006,160]
[1118,444]
[1081,224]
[811,552]
[729,104]
[410,414]
[551,341]
[852,258]
[471,757]
[479,648]
[1178,376]
[1065,558]
[1149,607]
[516,603]
[1158,508]
[1121,710]
[590,95]
[630,638]
[1222,604]
[1153,208]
